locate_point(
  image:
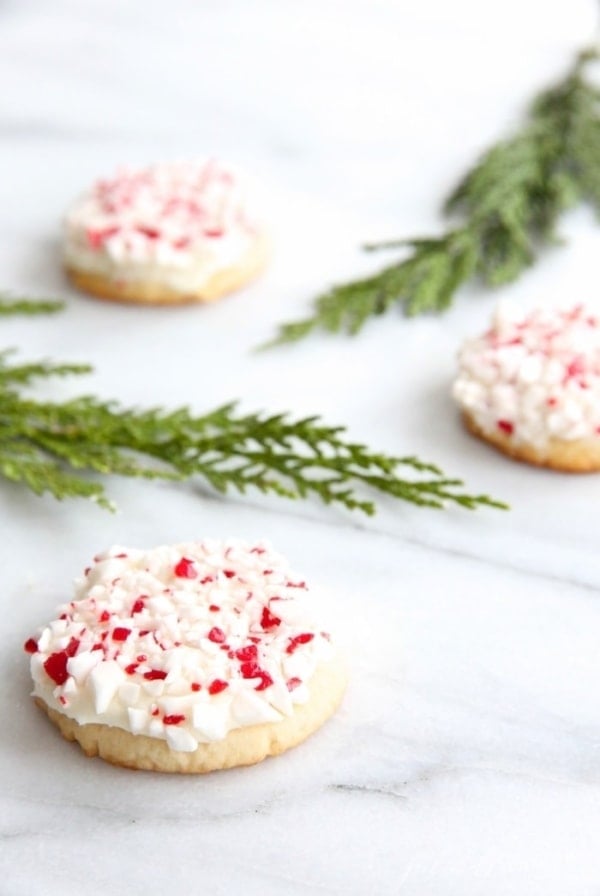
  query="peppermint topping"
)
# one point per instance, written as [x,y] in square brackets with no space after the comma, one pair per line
[269,620]
[186,569]
[182,642]
[168,215]
[55,666]
[534,376]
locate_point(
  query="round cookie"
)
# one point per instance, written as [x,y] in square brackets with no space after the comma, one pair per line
[187,658]
[530,386]
[170,233]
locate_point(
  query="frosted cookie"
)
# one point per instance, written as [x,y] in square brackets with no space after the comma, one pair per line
[186,658]
[170,233]
[531,386]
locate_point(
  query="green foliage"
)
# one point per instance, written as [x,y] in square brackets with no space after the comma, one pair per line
[11,305]
[510,204]
[61,447]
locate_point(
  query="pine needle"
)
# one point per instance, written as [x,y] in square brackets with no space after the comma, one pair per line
[510,204]
[62,448]
[11,305]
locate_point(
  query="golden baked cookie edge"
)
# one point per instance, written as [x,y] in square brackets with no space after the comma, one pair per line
[577,456]
[242,746]
[149,292]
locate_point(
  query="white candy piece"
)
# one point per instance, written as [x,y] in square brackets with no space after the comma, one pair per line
[180,739]
[138,720]
[247,708]
[211,720]
[129,693]
[105,678]
[81,665]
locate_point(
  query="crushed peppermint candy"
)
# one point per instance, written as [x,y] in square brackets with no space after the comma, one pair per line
[150,648]
[171,215]
[534,376]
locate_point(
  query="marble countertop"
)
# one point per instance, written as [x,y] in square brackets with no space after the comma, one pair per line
[466,756]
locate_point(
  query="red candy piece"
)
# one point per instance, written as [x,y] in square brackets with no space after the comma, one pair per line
[185,569]
[216,686]
[120,633]
[155,675]
[506,426]
[216,635]
[575,368]
[293,683]
[304,638]
[138,606]
[268,619]
[71,648]
[195,686]
[131,668]
[250,670]
[265,682]
[56,666]
[97,238]
[246,654]
[229,573]
[104,616]
[173,720]
[150,232]
[30,646]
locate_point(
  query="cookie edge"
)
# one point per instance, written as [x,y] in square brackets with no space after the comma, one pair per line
[242,746]
[147,292]
[577,456]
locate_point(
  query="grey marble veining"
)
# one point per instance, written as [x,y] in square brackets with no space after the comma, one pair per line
[466,756]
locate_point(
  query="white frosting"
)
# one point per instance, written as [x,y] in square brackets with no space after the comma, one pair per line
[173,223]
[182,642]
[534,375]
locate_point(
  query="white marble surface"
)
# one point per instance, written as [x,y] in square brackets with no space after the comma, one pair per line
[466,757]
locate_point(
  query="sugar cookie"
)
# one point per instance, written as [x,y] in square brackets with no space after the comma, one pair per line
[531,386]
[187,658]
[169,233]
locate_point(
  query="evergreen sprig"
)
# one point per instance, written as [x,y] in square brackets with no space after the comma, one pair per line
[12,305]
[54,447]
[510,203]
